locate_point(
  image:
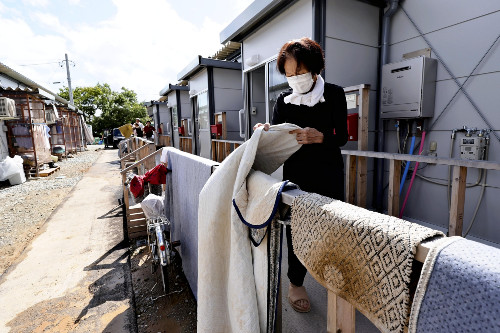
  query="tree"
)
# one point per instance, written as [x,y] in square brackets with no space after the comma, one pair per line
[105,108]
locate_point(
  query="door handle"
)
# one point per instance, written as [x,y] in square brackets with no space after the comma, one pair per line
[240,114]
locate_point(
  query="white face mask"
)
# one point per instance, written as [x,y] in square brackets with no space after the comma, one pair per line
[301,83]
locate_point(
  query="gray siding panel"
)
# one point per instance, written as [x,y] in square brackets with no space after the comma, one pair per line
[431,15]
[461,31]
[349,64]
[186,105]
[460,46]
[227,78]
[228,99]
[353,21]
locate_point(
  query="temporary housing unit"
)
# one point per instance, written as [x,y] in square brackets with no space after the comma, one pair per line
[428,57]
[215,89]
[178,115]
[159,113]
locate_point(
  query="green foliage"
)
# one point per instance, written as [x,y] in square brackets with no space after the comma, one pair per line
[105,108]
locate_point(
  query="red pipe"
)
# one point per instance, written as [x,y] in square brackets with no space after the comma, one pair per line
[412,176]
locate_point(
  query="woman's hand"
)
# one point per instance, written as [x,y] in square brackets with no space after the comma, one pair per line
[266,126]
[308,135]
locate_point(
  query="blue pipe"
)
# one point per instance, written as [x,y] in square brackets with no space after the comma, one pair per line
[403,179]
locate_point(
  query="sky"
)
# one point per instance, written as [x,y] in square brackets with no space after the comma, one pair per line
[139,45]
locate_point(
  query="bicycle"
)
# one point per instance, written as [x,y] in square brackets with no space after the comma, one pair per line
[162,249]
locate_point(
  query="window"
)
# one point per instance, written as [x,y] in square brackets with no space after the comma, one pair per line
[203,111]
[175,120]
[277,84]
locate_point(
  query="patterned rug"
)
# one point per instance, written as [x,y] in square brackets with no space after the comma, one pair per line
[459,290]
[362,256]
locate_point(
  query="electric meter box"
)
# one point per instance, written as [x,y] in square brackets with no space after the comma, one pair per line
[409,88]
[472,148]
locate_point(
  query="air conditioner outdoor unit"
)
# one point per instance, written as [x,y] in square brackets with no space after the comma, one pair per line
[7,107]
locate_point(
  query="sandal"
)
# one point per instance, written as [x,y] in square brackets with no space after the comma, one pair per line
[297,294]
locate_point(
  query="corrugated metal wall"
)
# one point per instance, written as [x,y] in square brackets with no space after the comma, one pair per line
[4,148]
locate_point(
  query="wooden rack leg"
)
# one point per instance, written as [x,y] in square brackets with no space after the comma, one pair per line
[394,179]
[457,201]
[361,182]
[341,315]
[350,184]
[214,151]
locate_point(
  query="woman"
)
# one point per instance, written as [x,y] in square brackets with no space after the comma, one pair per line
[320,109]
[148,130]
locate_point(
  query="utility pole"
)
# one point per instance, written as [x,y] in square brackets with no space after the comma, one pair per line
[69,80]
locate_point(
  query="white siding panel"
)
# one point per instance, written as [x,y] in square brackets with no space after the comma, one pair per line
[295,22]
[199,82]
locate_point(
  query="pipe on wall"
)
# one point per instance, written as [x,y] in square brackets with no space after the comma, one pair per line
[379,122]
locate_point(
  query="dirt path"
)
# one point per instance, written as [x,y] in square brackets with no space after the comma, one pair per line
[75,275]
[25,208]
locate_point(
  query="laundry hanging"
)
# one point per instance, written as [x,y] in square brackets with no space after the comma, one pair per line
[362,256]
[189,175]
[155,176]
[256,203]
[227,299]
[459,289]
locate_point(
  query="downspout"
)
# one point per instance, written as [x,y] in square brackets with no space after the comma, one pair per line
[319,25]
[211,95]
[379,122]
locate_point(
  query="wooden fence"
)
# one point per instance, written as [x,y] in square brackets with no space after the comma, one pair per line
[341,314]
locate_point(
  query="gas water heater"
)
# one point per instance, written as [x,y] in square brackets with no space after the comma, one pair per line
[409,88]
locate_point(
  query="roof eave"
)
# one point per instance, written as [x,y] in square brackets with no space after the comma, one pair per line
[258,13]
[171,87]
[193,69]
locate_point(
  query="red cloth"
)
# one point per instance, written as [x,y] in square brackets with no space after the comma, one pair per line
[137,186]
[157,175]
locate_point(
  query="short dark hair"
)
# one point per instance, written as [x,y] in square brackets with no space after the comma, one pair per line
[305,51]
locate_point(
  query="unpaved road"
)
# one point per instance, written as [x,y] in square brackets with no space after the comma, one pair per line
[25,208]
[74,276]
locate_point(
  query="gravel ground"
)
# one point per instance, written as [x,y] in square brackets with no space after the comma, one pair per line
[24,208]
[156,312]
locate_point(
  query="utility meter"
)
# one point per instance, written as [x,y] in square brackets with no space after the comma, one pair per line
[472,148]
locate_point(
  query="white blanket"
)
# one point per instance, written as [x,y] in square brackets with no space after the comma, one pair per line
[227,292]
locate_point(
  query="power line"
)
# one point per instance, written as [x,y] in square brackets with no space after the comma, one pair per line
[42,63]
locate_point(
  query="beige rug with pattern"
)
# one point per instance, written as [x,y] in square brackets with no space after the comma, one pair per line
[362,256]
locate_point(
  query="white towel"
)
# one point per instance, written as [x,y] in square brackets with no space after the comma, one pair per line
[227,298]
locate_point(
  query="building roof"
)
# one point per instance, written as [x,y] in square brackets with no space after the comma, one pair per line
[200,62]
[27,85]
[257,14]
[172,87]
[228,50]
[151,103]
